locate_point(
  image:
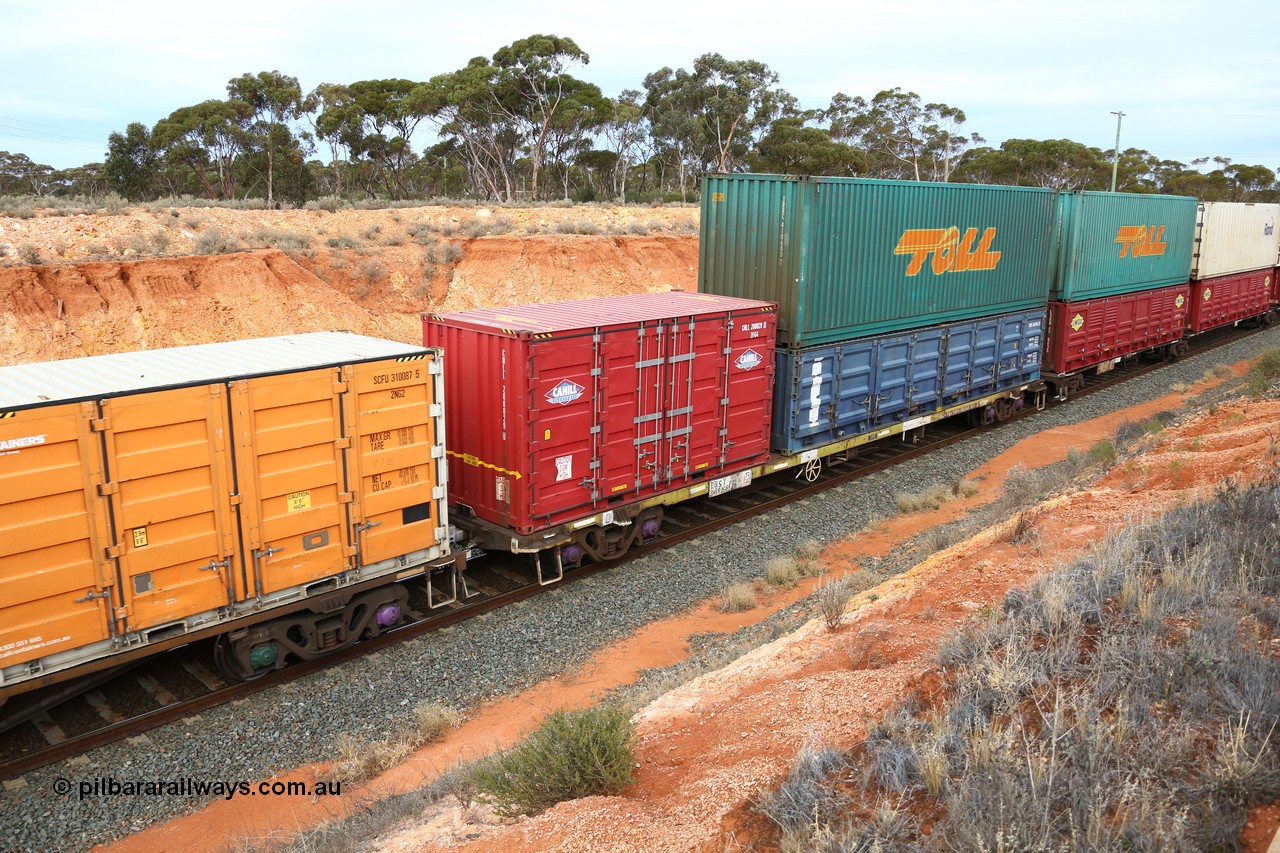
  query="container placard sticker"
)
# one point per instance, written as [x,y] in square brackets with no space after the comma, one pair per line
[564,468]
[500,489]
[298,501]
[566,391]
[748,360]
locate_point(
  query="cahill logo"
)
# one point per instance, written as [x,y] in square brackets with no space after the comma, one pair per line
[566,392]
[1138,241]
[950,252]
[13,445]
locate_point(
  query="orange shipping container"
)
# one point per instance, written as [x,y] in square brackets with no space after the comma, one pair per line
[146,496]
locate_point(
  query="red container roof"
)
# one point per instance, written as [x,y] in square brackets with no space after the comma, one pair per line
[551,317]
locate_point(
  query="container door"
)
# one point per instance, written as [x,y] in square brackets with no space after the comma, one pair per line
[170,495]
[855,384]
[396,457]
[652,384]
[568,399]
[925,371]
[54,580]
[680,435]
[959,345]
[290,446]
[987,357]
[893,376]
[1014,336]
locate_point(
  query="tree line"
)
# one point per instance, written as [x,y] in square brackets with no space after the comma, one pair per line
[519,126]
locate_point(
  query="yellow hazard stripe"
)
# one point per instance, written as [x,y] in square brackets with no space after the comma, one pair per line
[412,357]
[480,463]
[7,414]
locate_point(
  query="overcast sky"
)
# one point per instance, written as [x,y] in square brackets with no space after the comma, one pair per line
[1193,79]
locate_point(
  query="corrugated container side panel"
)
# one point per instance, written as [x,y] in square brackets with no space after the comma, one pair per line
[50,535]
[396,428]
[1114,243]
[1226,299]
[834,391]
[751,243]
[1089,332]
[579,421]
[851,257]
[1234,237]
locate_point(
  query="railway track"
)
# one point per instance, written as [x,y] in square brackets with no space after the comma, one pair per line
[48,726]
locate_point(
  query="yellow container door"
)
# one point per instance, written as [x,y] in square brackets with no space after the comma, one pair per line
[396,469]
[170,493]
[289,458]
[54,586]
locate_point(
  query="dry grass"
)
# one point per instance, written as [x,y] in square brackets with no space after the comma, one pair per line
[738,597]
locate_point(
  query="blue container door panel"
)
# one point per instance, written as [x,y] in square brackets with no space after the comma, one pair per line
[927,366]
[961,343]
[892,378]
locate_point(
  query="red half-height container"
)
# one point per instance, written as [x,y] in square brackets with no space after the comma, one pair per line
[1228,298]
[564,410]
[1093,331]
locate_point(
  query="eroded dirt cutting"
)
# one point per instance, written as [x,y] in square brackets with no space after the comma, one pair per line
[70,309]
[706,748]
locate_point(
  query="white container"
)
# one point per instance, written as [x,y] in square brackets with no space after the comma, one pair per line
[1234,237]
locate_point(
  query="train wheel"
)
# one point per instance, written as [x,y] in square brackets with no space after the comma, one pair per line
[1004,409]
[810,470]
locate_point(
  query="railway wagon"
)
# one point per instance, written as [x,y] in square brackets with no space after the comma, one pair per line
[1233,263]
[1094,334]
[850,257]
[268,492]
[827,392]
[575,422]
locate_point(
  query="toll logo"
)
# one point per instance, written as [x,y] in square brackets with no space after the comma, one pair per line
[748,360]
[950,252]
[1077,322]
[565,392]
[1140,241]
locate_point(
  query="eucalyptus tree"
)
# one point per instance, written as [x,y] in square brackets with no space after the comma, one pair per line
[902,137]
[397,105]
[792,147]
[211,134]
[712,116]
[337,120]
[532,86]
[131,162]
[626,130]
[277,101]
[1061,164]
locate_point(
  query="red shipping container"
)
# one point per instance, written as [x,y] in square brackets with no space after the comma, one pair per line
[1275,286]
[1093,331]
[563,410]
[1228,298]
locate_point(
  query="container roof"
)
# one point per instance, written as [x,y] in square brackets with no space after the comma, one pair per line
[550,317]
[98,376]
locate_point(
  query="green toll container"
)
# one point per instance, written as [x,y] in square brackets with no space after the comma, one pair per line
[849,257]
[1116,243]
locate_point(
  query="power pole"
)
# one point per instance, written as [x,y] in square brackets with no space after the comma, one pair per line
[1115,158]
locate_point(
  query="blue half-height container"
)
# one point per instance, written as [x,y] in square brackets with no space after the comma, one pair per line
[837,391]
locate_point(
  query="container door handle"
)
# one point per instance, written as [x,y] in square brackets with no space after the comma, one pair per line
[214,565]
[360,528]
[267,552]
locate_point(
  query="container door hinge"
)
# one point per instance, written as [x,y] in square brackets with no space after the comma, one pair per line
[113,552]
[435,368]
[341,386]
[438,492]
[350,551]
[100,424]
[437,451]
[345,497]
[112,488]
[435,410]
[343,443]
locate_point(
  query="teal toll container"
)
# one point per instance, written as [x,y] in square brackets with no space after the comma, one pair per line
[1115,243]
[849,257]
